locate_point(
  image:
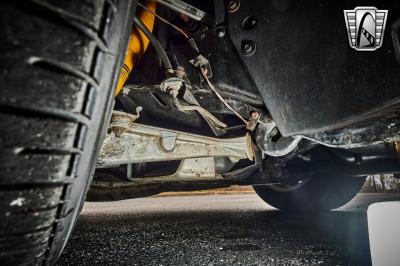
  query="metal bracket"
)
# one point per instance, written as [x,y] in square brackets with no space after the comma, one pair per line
[188,10]
[201,62]
[168,140]
[280,147]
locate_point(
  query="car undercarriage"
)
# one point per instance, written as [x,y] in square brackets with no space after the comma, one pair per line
[117,99]
[238,103]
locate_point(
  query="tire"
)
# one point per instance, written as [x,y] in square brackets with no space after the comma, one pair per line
[59,63]
[322,191]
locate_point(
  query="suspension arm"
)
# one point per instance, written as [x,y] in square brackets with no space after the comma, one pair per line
[129,142]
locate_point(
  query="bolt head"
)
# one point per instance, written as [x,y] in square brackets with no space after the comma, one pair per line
[221,33]
[248,47]
[255,115]
[233,6]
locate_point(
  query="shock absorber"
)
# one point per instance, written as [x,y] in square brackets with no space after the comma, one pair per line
[138,44]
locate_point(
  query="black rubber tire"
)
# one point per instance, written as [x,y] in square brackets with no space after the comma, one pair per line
[323,191]
[59,63]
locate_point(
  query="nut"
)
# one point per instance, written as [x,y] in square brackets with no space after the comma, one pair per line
[233,6]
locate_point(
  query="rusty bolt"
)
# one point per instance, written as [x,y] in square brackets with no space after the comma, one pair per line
[347,138]
[255,115]
[233,6]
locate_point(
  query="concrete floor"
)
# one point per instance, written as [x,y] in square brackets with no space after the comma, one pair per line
[218,230]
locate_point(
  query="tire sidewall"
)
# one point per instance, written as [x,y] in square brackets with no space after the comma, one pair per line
[322,192]
[119,32]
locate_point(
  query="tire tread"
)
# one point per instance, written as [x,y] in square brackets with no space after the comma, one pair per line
[53,44]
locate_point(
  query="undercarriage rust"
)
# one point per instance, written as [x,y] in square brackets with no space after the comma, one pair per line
[129,142]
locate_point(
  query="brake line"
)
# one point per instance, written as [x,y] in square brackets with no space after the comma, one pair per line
[201,69]
[188,38]
[204,74]
[156,44]
[167,63]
